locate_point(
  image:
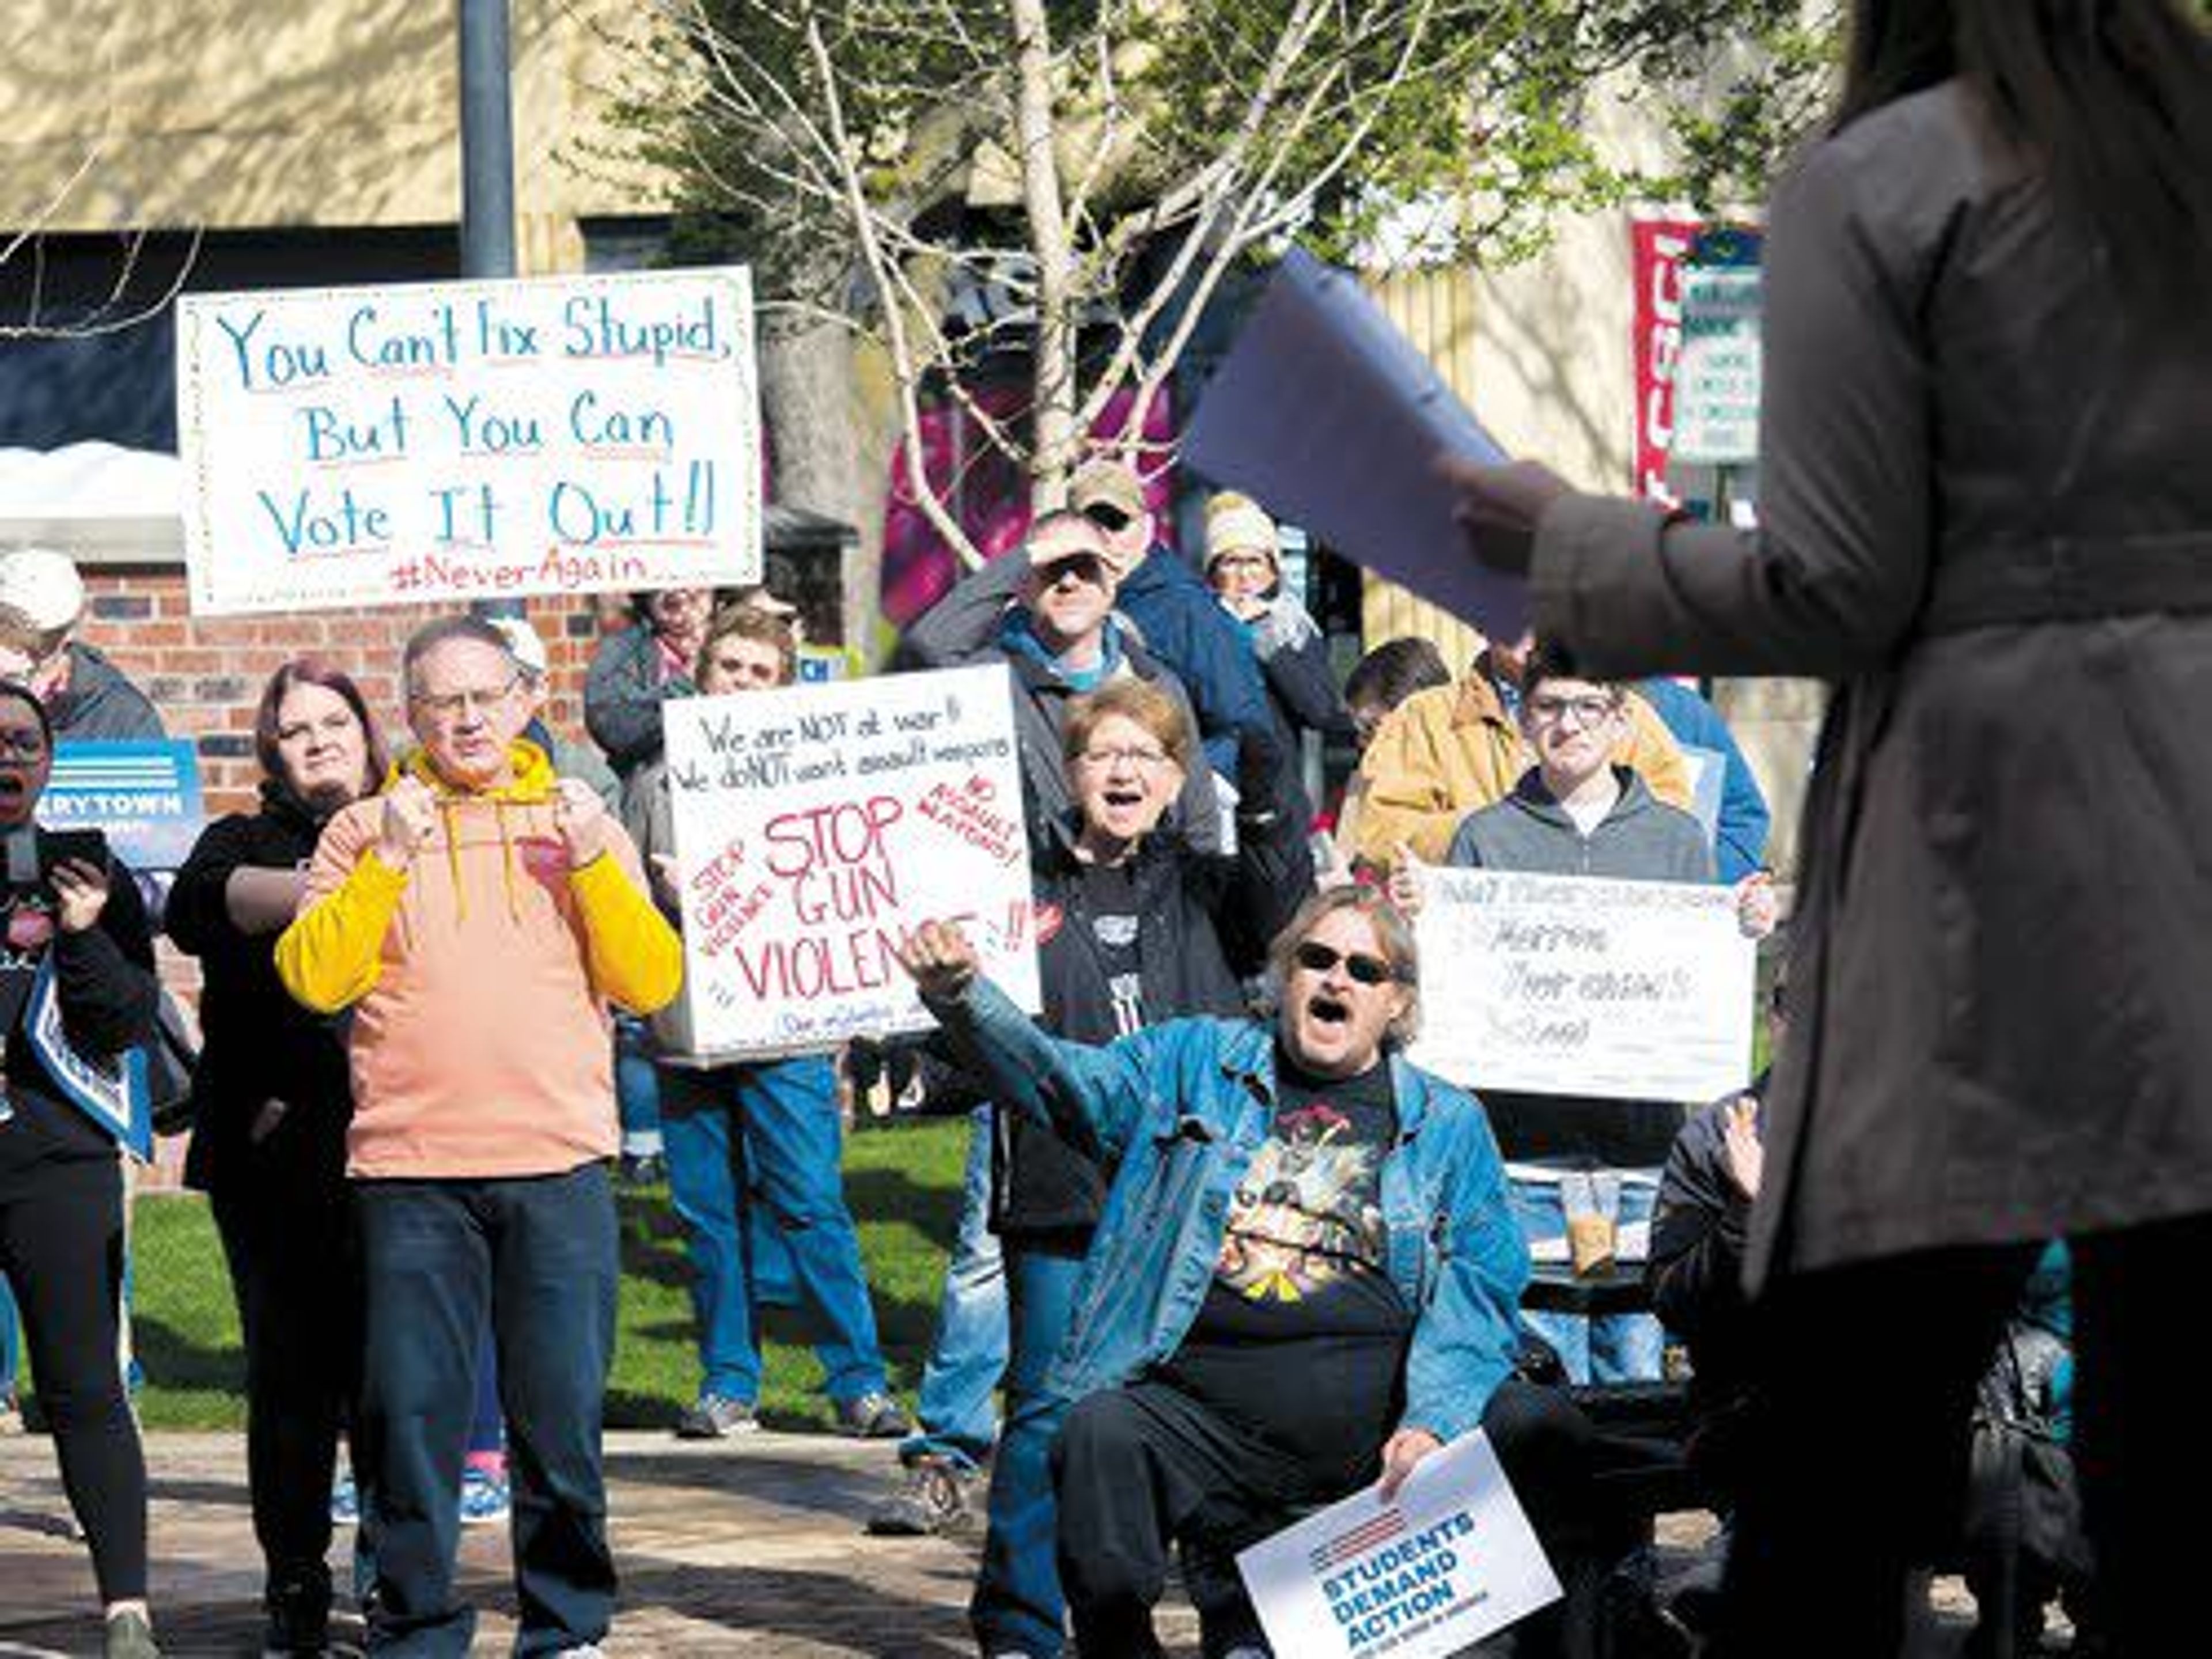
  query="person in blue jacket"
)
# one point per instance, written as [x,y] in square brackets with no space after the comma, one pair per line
[1740,847]
[1292,1198]
[1179,619]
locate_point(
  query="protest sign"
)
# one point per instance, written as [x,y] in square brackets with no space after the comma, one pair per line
[1328,416]
[451,441]
[1451,1560]
[143,793]
[814,826]
[1717,379]
[1625,990]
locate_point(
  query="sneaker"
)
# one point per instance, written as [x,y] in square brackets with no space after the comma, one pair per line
[129,1636]
[11,1413]
[484,1500]
[345,1502]
[715,1417]
[931,1497]
[298,1617]
[873,1416]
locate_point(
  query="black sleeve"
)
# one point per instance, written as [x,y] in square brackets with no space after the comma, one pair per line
[197,916]
[1698,1228]
[1299,675]
[1272,874]
[104,976]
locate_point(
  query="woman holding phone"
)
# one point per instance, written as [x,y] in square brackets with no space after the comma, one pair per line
[77,943]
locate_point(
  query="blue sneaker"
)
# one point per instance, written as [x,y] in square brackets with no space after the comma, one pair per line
[484,1500]
[345,1502]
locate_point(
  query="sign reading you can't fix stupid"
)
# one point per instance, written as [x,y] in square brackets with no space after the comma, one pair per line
[444,442]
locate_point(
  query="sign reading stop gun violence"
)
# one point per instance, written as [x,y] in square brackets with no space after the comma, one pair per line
[443,442]
[1626,990]
[816,825]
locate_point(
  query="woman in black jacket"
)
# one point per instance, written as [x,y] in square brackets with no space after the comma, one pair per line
[77,946]
[271,1104]
[1133,927]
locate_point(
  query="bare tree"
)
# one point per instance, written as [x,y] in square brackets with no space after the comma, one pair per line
[1110,164]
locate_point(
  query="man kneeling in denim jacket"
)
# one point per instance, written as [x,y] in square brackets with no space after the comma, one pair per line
[1306,1275]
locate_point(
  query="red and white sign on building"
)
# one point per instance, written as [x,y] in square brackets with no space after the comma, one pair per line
[1658,248]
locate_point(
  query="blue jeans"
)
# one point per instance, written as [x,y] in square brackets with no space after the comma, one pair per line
[1606,1348]
[773,1128]
[8,1340]
[967,1352]
[637,1088]
[1018,1604]
[540,1253]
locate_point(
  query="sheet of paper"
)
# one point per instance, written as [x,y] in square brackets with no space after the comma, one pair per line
[1324,413]
[1570,985]
[1451,1560]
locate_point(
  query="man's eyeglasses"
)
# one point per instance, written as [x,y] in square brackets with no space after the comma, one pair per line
[1586,710]
[1143,759]
[444,705]
[22,745]
[1318,958]
[1083,567]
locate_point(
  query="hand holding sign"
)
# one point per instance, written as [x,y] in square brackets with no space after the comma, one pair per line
[1500,506]
[410,814]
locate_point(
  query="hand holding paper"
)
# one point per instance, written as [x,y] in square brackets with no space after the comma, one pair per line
[1500,506]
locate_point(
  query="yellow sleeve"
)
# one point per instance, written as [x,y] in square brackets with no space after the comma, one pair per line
[332,954]
[1652,751]
[1404,795]
[635,956]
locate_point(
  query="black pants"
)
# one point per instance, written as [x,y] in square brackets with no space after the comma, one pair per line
[1138,1467]
[61,1247]
[293,1268]
[1870,1375]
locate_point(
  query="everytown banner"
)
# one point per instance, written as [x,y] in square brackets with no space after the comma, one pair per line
[143,793]
[441,441]
[1452,1560]
[814,826]
[1571,985]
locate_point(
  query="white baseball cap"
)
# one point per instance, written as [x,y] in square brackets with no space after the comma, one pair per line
[42,587]
[522,644]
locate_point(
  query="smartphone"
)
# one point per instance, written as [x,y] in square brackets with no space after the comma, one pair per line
[57,845]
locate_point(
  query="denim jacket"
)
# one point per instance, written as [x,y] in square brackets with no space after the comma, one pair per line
[1181,1108]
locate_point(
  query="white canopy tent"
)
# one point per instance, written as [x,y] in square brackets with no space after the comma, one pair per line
[98,502]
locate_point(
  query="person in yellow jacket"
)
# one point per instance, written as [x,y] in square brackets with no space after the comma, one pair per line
[477,916]
[1445,751]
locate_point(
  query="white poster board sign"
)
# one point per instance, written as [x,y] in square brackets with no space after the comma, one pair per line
[1626,990]
[818,825]
[1451,1560]
[443,442]
[1716,379]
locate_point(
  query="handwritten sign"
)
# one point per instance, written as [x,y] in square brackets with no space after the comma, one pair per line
[1452,1560]
[1626,990]
[814,826]
[451,441]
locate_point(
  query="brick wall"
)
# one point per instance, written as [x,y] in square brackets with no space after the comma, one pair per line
[205,673]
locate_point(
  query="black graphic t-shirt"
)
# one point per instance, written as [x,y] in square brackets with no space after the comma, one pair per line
[1301,1340]
[1114,920]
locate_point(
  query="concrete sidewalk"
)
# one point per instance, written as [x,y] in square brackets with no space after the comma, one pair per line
[750,1546]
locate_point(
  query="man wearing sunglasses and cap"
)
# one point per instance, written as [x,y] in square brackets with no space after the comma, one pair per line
[1047,610]
[1293,1199]
[1181,623]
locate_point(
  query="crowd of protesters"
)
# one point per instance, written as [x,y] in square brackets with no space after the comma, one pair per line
[1209,1165]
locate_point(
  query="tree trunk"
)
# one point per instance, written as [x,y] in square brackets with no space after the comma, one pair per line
[806,400]
[1053,448]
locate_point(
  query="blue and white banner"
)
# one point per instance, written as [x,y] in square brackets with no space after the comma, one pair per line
[143,792]
[111,1092]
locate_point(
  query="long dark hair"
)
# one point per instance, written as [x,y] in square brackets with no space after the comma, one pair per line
[313,671]
[2113,98]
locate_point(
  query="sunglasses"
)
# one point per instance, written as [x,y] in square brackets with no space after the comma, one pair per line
[1106,515]
[1318,958]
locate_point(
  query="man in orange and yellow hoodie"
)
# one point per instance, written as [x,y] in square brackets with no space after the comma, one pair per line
[477,916]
